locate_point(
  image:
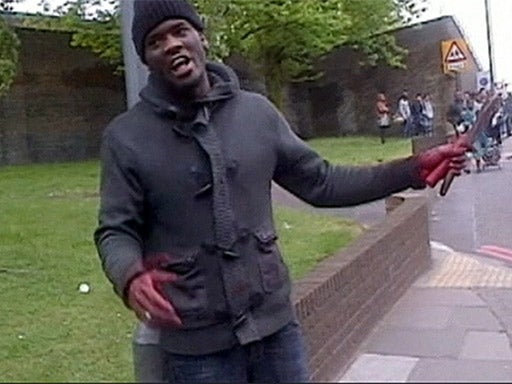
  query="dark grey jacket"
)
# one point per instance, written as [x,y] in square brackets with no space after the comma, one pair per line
[157,207]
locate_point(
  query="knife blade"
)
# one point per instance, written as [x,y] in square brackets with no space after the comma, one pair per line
[490,107]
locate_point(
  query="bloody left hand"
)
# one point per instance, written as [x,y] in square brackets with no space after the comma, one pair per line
[148,302]
[435,163]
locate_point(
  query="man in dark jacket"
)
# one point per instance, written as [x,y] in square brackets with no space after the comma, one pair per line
[186,232]
[454,113]
[417,115]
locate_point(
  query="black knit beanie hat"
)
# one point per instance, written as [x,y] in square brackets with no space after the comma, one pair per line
[147,14]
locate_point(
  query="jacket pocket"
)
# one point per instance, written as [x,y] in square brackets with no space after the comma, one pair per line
[188,293]
[273,271]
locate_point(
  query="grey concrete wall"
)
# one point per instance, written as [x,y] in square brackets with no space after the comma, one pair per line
[63,97]
[342,102]
[59,104]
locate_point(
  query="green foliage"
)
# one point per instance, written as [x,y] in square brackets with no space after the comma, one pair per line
[95,25]
[9,46]
[283,39]
[104,37]
[6,5]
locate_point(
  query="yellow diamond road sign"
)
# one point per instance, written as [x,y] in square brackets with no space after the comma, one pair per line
[455,55]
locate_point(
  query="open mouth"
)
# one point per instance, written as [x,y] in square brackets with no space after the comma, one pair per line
[181,66]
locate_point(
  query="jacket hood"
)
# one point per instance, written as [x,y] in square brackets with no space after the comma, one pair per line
[224,85]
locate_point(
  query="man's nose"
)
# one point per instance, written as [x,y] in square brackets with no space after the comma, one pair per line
[172,44]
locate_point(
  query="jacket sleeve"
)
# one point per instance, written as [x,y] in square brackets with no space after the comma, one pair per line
[120,218]
[304,173]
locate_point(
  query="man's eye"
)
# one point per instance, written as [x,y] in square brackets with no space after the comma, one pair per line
[181,31]
[152,43]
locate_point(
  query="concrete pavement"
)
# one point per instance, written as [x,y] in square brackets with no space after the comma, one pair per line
[453,325]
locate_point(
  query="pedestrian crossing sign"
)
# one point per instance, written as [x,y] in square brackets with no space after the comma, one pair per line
[454,55]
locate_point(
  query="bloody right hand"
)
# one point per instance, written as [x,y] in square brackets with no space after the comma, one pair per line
[149,304]
[435,163]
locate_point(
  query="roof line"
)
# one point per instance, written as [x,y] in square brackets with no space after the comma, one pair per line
[457,24]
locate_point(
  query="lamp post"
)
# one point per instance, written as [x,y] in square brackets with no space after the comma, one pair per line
[147,355]
[134,71]
[489,43]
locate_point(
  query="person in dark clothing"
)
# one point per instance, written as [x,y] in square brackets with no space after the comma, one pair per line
[454,116]
[185,225]
[416,115]
[507,114]
[495,127]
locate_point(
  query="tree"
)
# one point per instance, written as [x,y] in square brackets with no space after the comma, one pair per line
[285,38]
[282,38]
[94,24]
[9,46]
[6,5]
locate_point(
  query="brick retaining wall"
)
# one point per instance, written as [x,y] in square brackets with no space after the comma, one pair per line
[344,297]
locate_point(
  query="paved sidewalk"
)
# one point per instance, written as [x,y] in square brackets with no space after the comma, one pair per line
[453,325]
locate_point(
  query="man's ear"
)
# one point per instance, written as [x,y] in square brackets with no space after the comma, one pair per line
[204,41]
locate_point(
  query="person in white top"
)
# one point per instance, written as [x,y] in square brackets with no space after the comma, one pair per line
[404,111]
[428,113]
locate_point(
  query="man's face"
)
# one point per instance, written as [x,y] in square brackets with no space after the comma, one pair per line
[176,50]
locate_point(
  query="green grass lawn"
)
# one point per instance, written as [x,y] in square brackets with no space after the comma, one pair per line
[52,333]
[361,150]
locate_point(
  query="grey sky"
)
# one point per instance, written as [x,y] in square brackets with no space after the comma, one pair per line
[471,16]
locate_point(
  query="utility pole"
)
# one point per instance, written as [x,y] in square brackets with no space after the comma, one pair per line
[489,43]
[147,356]
[135,72]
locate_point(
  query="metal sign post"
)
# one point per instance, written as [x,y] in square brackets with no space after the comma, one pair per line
[147,354]
[489,43]
[134,71]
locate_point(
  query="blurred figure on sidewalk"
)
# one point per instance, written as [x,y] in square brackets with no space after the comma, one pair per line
[454,114]
[417,115]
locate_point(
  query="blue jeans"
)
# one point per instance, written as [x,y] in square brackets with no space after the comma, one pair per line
[408,128]
[278,358]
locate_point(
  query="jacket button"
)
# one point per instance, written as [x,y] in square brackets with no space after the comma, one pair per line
[240,319]
[231,255]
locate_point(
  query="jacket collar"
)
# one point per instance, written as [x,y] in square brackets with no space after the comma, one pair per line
[224,83]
